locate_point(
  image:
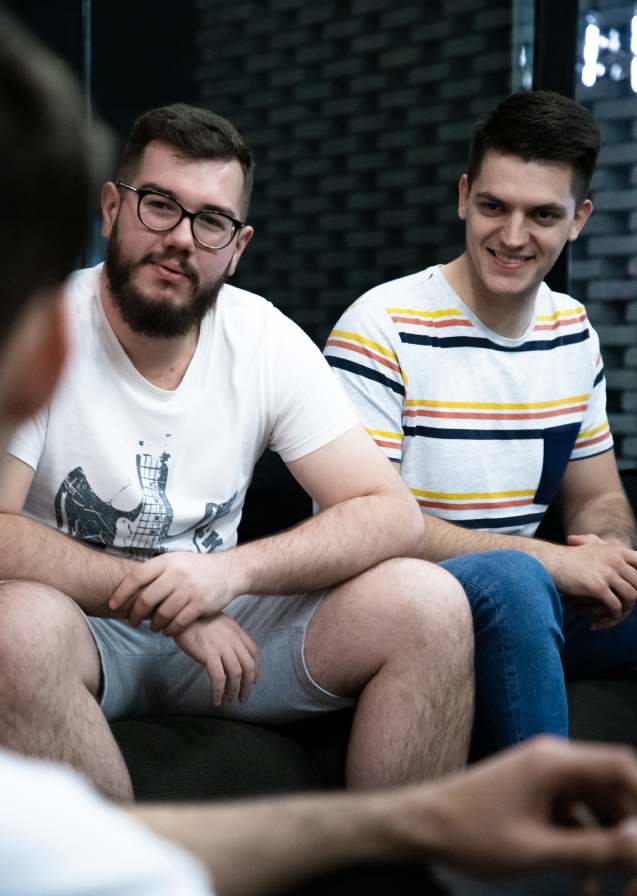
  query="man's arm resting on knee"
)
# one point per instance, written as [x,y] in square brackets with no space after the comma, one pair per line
[598,571]
[367,515]
[32,551]
[518,813]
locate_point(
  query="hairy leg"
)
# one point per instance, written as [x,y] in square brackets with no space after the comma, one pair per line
[400,635]
[49,680]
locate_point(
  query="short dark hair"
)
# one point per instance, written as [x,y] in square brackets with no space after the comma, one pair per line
[195,134]
[539,126]
[51,164]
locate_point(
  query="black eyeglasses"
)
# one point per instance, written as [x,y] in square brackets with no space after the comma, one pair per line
[212,230]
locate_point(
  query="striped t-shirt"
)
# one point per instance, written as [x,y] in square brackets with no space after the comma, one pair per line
[482,426]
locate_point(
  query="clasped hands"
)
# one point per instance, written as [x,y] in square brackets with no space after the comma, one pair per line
[597,578]
[183,595]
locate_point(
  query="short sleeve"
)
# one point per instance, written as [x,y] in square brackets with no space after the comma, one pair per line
[312,408]
[28,441]
[594,436]
[363,350]
[59,838]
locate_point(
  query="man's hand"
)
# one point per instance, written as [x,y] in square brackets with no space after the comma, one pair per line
[228,653]
[173,590]
[544,804]
[598,578]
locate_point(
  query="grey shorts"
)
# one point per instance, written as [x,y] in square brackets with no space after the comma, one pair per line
[146,674]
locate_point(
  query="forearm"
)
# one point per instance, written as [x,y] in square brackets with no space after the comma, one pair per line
[270,845]
[444,540]
[609,517]
[332,546]
[34,552]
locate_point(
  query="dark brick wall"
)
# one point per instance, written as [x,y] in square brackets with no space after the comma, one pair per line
[359,112]
[604,258]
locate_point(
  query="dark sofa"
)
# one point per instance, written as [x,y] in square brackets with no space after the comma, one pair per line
[192,758]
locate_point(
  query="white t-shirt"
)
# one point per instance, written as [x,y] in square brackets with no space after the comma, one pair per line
[58,838]
[483,426]
[123,464]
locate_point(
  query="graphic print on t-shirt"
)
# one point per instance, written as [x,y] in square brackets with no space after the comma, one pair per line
[142,532]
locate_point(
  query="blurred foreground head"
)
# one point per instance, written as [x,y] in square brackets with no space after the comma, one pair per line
[51,165]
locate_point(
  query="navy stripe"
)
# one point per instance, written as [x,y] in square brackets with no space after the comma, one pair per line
[499,523]
[432,432]
[361,370]
[599,378]
[539,345]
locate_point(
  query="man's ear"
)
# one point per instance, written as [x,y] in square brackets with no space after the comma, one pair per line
[582,214]
[31,364]
[245,235]
[463,197]
[110,202]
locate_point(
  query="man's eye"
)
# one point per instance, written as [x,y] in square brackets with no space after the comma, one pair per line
[490,206]
[214,222]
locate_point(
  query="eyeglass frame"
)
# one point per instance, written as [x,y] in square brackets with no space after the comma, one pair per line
[237,225]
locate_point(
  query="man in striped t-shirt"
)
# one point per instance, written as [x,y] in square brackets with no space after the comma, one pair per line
[487,389]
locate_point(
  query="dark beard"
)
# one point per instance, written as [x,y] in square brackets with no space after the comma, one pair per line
[160,320]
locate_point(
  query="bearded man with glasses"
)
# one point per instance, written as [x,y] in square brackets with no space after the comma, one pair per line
[178,382]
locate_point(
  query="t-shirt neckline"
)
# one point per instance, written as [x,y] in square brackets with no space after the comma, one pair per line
[477,323]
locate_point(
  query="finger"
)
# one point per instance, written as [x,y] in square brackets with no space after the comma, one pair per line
[187,614]
[217,675]
[166,613]
[233,670]
[141,576]
[248,671]
[147,599]
[601,625]
[253,651]
[624,590]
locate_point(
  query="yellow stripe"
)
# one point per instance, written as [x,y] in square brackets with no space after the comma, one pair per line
[355,338]
[446,312]
[453,496]
[592,432]
[386,435]
[483,406]
[557,314]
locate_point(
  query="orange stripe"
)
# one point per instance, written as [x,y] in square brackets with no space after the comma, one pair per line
[364,351]
[450,415]
[455,322]
[560,323]
[496,505]
[382,444]
[588,442]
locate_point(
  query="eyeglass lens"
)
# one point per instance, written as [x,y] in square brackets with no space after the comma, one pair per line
[161,213]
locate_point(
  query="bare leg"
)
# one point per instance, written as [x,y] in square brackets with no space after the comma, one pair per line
[49,680]
[401,636]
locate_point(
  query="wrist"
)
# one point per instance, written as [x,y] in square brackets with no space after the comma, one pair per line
[233,570]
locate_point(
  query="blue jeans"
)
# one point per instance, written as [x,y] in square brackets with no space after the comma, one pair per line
[525,646]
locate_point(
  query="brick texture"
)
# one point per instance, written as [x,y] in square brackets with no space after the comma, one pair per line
[359,112]
[604,258]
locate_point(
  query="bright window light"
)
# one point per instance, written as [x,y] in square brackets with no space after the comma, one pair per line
[633,35]
[591,49]
[633,74]
[614,43]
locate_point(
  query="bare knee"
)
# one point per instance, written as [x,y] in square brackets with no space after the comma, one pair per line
[415,590]
[42,632]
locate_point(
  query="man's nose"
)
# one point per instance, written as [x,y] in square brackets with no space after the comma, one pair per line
[514,231]
[180,236]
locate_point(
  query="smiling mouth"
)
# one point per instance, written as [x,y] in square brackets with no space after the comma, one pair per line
[512,260]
